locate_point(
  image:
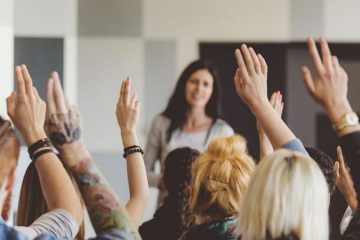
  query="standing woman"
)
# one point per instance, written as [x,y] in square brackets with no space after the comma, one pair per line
[191,119]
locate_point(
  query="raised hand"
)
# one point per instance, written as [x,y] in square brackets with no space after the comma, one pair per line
[251,77]
[344,181]
[265,145]
[63,123]
[277,103]
[251,85]
[25,108]
[127,110]
[329,86]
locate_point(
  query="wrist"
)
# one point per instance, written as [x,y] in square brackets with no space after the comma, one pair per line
[129,138]
[336,111]
[32,138]
[260,106]
[73,153]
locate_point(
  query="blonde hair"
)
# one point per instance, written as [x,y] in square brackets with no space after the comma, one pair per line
[220,177]
[287,195]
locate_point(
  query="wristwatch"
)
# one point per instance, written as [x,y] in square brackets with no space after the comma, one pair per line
[349,119]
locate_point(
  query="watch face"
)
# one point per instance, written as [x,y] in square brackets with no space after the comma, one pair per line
[351,118]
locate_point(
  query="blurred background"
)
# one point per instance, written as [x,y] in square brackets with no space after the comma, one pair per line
[94,44]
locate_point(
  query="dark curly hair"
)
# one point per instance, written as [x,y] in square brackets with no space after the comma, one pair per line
[326,164]
[177,179]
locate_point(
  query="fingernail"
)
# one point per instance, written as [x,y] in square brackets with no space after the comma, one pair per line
[17,67]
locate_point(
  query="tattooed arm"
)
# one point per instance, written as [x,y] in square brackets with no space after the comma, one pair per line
[64,129]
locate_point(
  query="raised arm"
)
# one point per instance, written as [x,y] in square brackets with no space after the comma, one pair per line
[251,85]
[127,114]
[106,211]
[344,182]
[329,88]
[27,111]
[265,145]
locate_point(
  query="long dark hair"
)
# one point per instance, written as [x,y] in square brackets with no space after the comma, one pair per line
[177,180]
[178,106]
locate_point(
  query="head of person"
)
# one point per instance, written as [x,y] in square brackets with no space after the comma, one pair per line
[197,87]
[32,202]
[220,177]
[177,179]
[326,164]
[9,154]
[287,196]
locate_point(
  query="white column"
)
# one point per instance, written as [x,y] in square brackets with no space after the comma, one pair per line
[7,52]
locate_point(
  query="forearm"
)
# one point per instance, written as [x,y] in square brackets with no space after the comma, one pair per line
[138,184]
[350,145]
[57,187]
[275,128]
[104,208]
[264,144]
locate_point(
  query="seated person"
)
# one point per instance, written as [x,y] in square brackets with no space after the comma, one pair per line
[220,177]
[174,216]
[27,112]
[110,218]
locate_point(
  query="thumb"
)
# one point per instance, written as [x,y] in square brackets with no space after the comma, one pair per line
[336,169]
[309,83]
[10,104]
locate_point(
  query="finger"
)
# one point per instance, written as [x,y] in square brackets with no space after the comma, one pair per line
[256,61]
[326,55]
[50,101]
[134,98]
[27,80]
[336,169]
[137,105]
[58,94]
[237,80]
[248,59]
[273,98]
[20,83]
[242,70]
[264,66]
[10,103]
[340,156]
[122,92]
[314,55]
[127,90]
[36,94]
[336,65]
[309,83]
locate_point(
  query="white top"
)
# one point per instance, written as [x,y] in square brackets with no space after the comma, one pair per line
[157,148]
[59,223]
[345,220]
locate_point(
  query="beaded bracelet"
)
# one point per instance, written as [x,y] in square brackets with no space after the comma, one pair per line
[131,150]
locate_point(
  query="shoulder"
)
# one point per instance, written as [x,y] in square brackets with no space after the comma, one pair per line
[160,121]
[223,128]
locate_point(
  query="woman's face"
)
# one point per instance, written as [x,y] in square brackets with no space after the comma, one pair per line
[198,88]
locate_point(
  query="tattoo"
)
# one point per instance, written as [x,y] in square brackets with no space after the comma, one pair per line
[105,209]
[64,128]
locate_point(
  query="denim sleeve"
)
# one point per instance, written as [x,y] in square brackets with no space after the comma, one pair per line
[295,145]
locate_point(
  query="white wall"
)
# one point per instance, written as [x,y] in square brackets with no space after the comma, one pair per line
[7,52]
[52,18]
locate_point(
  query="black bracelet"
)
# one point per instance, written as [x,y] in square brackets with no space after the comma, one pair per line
[131,150]
[38,154]
[42,143]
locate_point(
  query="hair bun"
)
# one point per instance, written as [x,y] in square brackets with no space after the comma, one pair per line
[223,147]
